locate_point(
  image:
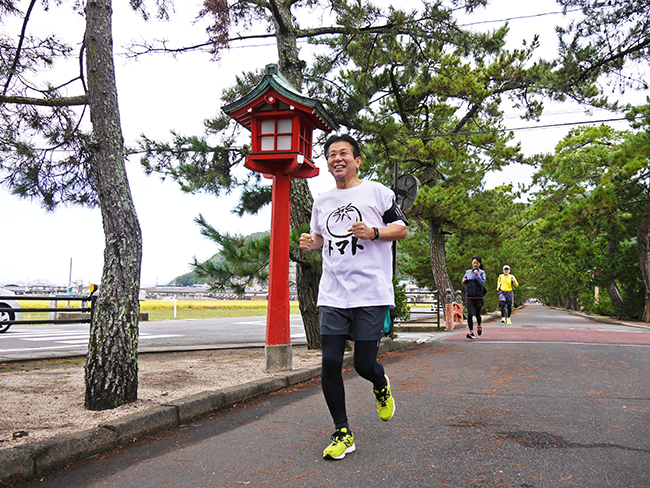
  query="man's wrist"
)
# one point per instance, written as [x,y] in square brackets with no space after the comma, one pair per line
[376,231]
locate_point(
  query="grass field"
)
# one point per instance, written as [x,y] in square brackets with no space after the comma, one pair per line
[205,309]
[185,309]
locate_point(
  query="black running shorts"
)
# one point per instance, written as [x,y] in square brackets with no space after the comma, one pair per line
[359,324]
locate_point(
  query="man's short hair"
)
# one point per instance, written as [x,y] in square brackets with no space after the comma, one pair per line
[356,150]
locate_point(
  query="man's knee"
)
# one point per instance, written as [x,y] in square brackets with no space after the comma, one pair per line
[332,362]
[364,367]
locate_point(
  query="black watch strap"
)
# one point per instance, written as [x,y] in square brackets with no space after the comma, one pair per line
[376,234]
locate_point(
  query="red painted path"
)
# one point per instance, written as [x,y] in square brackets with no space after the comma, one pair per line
[536,324]
[574,336]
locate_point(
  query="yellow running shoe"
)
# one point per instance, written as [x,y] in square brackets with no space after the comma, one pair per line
[342,444]
[385,402]
[508,321]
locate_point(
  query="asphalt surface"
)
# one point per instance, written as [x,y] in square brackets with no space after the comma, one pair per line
[27,342]
[553,400]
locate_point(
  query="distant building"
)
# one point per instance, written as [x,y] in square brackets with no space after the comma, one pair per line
[40,287]
[416,294]
[198,292]
[17,289]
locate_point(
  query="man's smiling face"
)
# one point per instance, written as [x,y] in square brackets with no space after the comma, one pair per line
[342,163]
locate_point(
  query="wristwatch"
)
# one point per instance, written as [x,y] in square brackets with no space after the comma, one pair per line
[376,234]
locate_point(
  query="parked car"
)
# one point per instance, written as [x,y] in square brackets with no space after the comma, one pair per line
[6,316]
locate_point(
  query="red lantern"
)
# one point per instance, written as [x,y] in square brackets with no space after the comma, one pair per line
[281,121]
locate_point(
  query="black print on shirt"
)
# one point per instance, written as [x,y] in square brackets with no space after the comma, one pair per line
[342,246]
[340,220]
[338,225]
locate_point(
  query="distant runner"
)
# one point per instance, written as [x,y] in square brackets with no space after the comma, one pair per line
[505,286]
[474,280]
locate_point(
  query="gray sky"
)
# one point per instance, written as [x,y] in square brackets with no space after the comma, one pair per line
[157,94]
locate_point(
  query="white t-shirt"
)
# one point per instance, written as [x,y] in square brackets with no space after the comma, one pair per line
[356,272]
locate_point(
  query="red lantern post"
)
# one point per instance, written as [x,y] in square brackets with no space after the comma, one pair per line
[281,121]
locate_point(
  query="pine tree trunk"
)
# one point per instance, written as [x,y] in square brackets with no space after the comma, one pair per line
[574,303]
[112,362]
[439,260]
[644,256]
[612,287]
[307,274]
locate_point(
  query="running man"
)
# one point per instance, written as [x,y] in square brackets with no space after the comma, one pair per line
[354,224]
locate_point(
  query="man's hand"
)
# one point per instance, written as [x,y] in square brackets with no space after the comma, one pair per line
[362,231]
[309,242]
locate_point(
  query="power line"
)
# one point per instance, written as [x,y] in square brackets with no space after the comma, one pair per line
[588,122]
[519,18]
[547,126]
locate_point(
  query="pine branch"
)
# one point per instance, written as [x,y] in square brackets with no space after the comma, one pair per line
[21,39]
[46,102]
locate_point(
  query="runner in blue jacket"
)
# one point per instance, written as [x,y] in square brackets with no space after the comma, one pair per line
[474,280]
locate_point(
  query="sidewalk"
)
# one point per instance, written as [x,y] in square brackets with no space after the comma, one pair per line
[468,414]
[492,412]
[33,459]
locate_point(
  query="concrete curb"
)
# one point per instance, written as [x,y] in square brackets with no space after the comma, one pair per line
[30,460]
[602,319]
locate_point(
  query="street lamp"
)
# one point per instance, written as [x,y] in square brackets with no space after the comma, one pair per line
[281,121]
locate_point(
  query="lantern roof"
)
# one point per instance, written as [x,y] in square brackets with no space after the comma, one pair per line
[240,109]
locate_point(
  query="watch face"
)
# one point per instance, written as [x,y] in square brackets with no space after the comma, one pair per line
[340,220]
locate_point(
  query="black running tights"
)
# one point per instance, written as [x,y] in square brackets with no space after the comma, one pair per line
[474,309]
[506,309]
[365,363]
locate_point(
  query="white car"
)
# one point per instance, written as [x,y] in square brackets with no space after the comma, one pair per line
[6,316]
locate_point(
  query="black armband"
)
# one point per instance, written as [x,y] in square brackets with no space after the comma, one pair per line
[394,213]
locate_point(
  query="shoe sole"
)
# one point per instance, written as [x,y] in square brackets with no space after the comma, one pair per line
[348,450]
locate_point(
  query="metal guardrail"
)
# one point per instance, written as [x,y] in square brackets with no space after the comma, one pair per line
[82,319]
[423,316]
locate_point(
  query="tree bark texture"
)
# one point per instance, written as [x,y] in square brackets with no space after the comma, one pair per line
[643,244]
[439,260]
[612,287]
[111,372]
[307,274]
[290,64]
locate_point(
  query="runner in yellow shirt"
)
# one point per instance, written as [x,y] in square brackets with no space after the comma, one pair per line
[505,286]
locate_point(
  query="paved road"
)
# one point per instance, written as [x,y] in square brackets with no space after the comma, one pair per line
[37,342]
[512,409]
[26,342]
